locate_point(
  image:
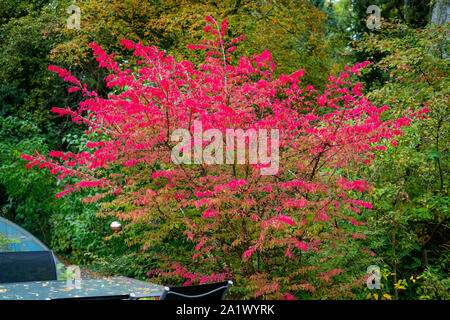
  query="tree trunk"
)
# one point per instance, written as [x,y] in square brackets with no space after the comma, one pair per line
[440,15]
[405,10]
[440,12]
[394,257]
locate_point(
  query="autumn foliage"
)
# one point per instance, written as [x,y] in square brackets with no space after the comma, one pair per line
[269,234]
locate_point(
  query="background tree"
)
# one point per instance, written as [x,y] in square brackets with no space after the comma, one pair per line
[411,197]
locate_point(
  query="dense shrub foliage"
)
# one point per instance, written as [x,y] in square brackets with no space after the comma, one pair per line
[272,234]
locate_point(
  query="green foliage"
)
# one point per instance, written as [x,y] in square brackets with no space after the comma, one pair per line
[410,194]
[429,285]
[27,195]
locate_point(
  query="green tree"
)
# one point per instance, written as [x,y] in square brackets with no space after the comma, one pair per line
[411,182]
